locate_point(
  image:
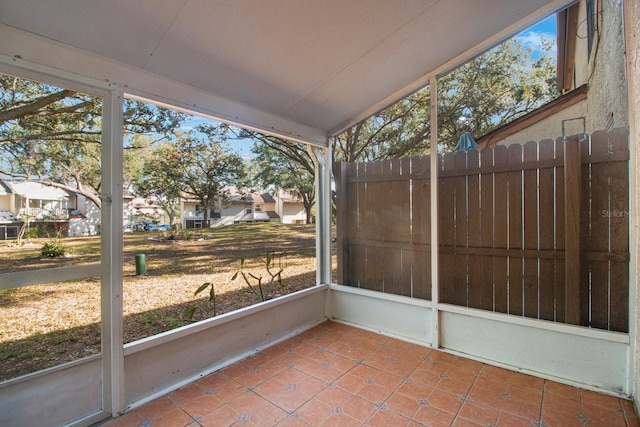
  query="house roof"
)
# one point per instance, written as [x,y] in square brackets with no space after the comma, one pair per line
[35,190]
[300,69]
[5,188]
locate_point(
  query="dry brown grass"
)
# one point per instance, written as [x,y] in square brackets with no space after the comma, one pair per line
[45,325]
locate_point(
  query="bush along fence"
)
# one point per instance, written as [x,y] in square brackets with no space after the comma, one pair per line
[538,230]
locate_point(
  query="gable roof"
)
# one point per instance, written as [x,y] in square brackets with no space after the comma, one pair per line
[301,69]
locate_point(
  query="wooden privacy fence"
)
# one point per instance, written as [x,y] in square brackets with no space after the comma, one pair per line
[538,230]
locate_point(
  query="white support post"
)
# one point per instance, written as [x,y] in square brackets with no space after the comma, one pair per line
[435,294]
[323,211]
[112,256]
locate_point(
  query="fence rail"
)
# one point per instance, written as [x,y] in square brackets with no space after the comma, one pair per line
[538,230]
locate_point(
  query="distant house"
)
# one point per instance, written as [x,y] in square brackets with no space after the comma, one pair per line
[290,207]
[257,207]
[51,209]
[139,209]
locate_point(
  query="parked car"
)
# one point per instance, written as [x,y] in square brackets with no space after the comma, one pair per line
[164,227]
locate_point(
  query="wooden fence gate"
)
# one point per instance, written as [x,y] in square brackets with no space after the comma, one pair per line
[539,230]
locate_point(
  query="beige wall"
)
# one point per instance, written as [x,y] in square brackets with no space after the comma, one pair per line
[632,38]
[604,71]
[550,127]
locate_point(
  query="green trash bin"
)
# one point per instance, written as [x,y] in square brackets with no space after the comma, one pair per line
[141,265]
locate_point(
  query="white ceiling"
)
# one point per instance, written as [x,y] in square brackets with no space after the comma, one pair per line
[319,63]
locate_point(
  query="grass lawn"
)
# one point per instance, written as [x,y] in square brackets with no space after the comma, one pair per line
[45,325]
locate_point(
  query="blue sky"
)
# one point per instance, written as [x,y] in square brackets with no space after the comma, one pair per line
[545,28]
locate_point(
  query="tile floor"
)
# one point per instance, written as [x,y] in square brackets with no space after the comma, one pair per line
[335,375]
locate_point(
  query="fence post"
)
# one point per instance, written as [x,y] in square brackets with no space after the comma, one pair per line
[340,174]
[572,192]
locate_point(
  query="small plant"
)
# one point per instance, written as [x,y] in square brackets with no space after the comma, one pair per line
[260,289]
[275,277]
[53,249]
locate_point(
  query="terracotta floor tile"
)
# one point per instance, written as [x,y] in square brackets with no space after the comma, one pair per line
[593,398]
[458,388]
[314,412]
[292,421]
[496,374]
[553,418]
[530,394]
[604,414]
[525,380]
[174,418]
[223,416]
[434,417]
[184,394]
[509,420]
[230,391]
[445,401]
[563,390]
[156,408]
[404,405]
[463,422]
[522,408]
[560,403]
[202,405]
[257,410]
[483,415]
[426,376]
[333,396]
[385,418]
[340,420]
[487,382]
[414,390]
[465,374]
[358,408]
[483,396]
[335,375]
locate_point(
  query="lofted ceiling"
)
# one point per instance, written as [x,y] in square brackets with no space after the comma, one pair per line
[319,63]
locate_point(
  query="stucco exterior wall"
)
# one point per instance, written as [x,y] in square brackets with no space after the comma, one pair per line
[632,39]
[550,127]
[605,69]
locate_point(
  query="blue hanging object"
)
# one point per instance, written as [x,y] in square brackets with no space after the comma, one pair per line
[466,143]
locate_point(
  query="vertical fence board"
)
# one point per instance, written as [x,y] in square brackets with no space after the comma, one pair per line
[599,237]
[547,277]
[619,220]
[447,231]
[461,221]
[500,227]
[487,221]
[530,231]
[480,292]
[403,188]
[572,183]
[421,231]
[515,230]
[559,264]
[388,227]
[359,250]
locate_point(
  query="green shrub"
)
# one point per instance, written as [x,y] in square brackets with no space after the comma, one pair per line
[53,249]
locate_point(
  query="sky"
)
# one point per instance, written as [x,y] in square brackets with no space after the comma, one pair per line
[545,28]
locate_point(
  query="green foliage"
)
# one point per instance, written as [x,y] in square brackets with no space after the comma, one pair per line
[54,134]
[53,249]
[209,168]
[32,232]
